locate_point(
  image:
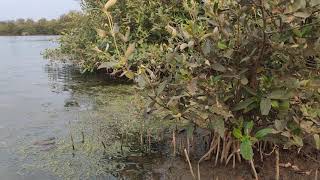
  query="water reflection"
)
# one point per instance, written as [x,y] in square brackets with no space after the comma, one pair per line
[60,75]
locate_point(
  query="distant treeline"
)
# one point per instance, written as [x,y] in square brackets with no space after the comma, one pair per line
[40,27]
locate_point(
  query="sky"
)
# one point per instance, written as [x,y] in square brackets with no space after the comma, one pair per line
[35,9]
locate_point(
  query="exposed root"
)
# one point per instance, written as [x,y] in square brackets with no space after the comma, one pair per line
[277,165]
[149,140]
[269,154]
[260,150]
[204,157]
[190,166]
[174,143]
[237,147]
[254,170]
[223,148]
[218,151]
[188,145]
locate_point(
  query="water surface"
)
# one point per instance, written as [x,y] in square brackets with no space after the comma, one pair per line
[40,100]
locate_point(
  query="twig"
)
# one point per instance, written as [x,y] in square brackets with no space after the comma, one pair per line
[188,145]
[71,137]
[218,151]
[277,165]
[254,170]
[308,156]
[316,175]
[164,106]
[293,28]
[190,166]
[257,61]
[223,148]
[72,142]
[174,142]
[268,154]
[260,151]
[104,145]
[82,133]
[204,156]
[149,140]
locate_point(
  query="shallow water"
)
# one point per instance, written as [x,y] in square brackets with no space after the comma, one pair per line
[42,100]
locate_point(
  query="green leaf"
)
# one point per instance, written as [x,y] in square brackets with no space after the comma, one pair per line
[190,130]
[161,87]
[297,32]
[244,104]
[265,106]
[251,107]
[302,14]
[222,45]
[248,127]
[280,124]
[314,2]
[218,67]
[108,65]
[237,133]
[263,132]
[284,105]
[141,81]
[246,149]
[280,95]
[218,126]
[129,74]
[298,141]
[275,104]
[298,4]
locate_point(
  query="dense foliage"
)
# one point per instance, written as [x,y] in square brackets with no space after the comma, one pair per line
[40,27]
[250,68]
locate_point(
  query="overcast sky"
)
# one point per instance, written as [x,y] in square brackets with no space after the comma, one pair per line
[35,9]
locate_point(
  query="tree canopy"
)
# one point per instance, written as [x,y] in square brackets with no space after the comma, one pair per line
[40,27]
[246,70]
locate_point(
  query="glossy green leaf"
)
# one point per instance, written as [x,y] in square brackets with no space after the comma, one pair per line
[237,133]
[279,94]
[248,125]
[274,104]
[263,132]
[244,104]
[246,149]
[284,105]
[222,45]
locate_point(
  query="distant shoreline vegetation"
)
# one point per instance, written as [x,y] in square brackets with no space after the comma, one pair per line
[28,27]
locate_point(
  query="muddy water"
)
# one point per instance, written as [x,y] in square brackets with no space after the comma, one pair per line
[45,104]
